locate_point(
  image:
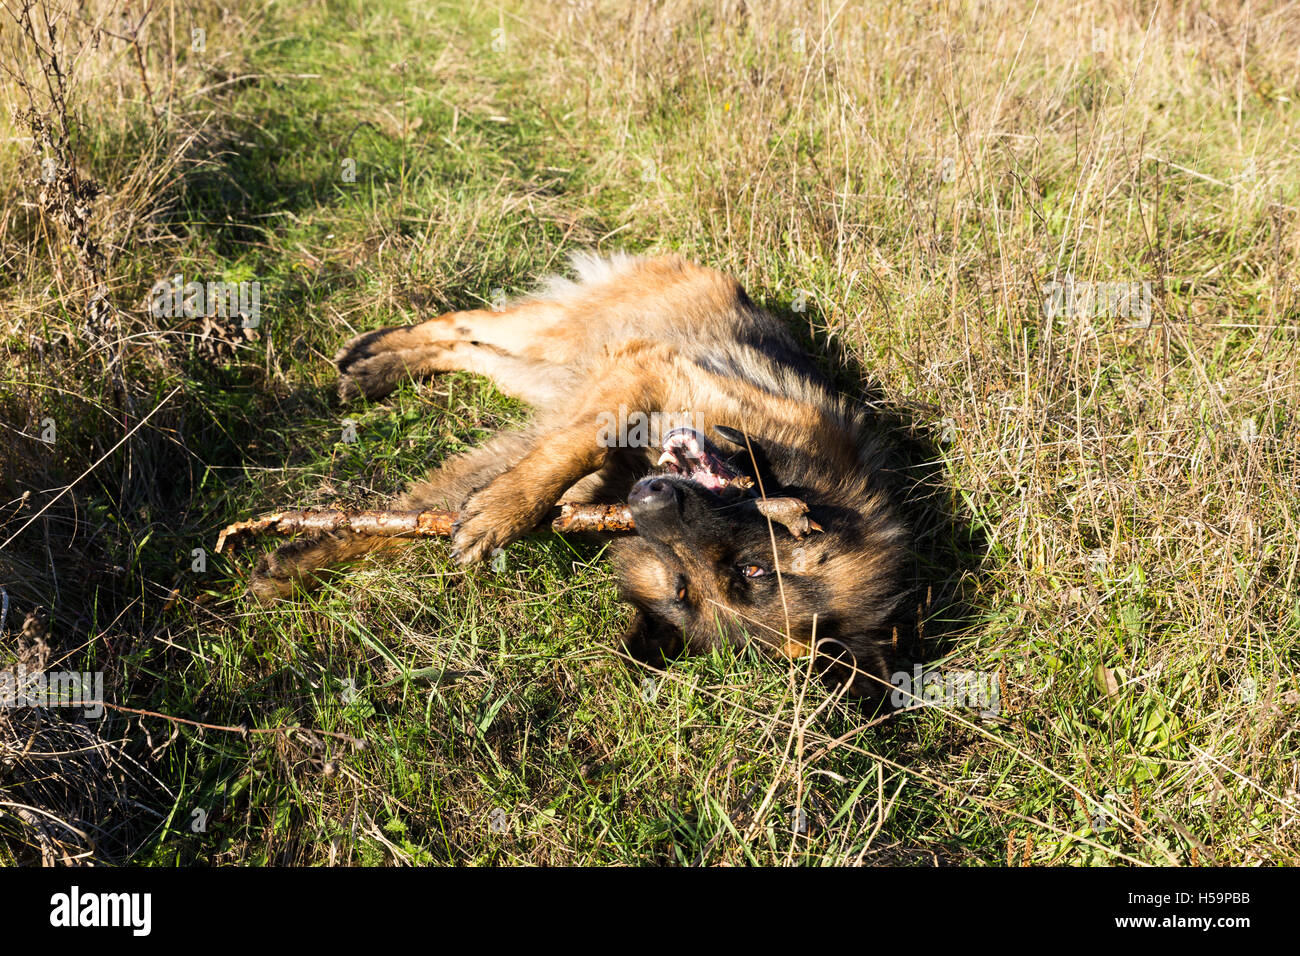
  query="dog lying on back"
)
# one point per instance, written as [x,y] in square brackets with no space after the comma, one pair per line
[631,344]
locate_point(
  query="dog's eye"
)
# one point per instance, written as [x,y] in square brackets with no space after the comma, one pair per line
[752,570]
[681,589]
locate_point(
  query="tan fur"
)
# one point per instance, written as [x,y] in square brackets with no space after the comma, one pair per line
[654,335]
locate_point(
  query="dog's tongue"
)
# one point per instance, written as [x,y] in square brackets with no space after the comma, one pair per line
[688,453]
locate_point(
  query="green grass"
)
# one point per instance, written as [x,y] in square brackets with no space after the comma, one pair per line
[1104,515]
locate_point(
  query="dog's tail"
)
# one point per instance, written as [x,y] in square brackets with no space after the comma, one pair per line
[301,563]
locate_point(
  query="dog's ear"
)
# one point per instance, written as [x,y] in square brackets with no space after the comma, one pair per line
[651,640]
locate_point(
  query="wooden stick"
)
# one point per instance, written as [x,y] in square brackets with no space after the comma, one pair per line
[565,519]
[604,519]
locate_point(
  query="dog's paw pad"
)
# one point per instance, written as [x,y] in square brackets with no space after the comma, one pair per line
[361,347]
[371,379]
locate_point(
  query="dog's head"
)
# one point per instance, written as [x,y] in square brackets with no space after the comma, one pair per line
[708,566]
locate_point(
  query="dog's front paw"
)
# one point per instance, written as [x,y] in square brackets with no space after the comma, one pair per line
[489,520]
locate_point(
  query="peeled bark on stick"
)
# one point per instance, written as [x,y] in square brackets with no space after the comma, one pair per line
[565,519]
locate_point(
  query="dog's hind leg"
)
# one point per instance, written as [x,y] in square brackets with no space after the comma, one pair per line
[376,374]
[374,363]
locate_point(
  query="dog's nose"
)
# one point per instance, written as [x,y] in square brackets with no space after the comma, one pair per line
[652,494]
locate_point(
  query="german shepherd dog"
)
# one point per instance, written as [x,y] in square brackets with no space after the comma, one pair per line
[630,339]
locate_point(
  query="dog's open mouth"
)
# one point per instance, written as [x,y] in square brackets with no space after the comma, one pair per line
[692,456]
